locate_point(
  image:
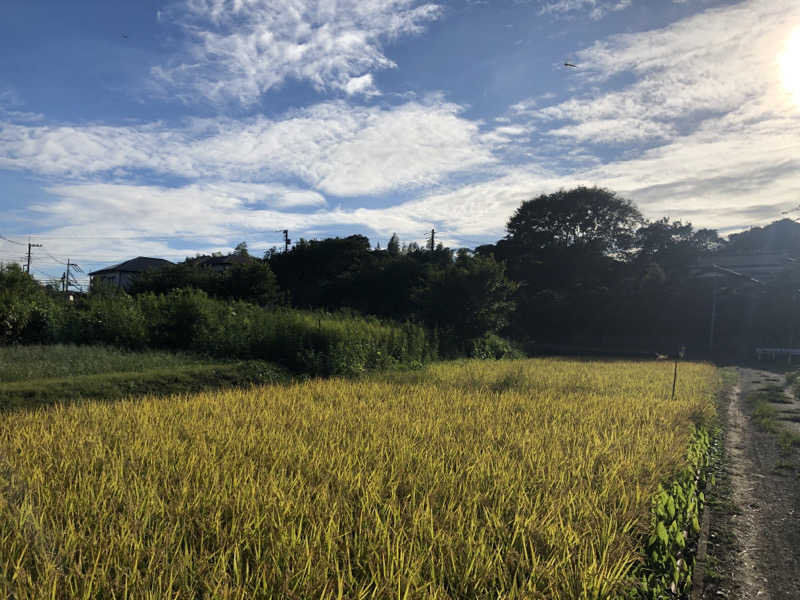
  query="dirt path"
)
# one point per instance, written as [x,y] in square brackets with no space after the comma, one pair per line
[763,513]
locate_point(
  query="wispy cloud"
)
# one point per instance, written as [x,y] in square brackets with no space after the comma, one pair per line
[704,67]
[595,9]
[696,114]
[333,148]
[240,49]
[691,121]
[11,105]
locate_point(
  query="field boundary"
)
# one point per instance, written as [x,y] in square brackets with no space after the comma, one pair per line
[112,386]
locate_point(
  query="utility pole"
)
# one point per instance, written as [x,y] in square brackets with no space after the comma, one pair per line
[28,264]
[68,275]
[66,279]
[432,246]
[713,318]
[286,240]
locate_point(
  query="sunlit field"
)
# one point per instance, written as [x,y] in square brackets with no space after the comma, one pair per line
[514,479]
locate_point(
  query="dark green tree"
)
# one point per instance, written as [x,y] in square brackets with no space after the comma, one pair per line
[594,218]
[251,281]
[393,246]
[567,250]
[467,299]
[29,313]
[319,273]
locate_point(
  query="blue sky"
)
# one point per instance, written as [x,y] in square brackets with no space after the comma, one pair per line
[171,127]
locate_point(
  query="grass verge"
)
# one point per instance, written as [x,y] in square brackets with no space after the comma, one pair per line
[25,363]
[162,381]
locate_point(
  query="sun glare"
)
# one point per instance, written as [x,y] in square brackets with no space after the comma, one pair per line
[790,65]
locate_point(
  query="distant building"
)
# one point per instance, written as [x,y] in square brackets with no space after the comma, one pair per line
[755,266]
[123,274]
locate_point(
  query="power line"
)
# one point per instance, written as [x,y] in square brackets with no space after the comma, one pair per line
[12,241]
[58,260]
[135,237]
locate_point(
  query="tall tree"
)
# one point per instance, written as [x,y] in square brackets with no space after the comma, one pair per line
[673,245]
[394,245]
[592,218]
[241,249]
[567,250]
[466,299]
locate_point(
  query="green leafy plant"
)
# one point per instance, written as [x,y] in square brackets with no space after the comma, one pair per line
[675,524]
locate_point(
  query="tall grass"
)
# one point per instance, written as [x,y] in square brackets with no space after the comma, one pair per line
[188,320]
[518,479]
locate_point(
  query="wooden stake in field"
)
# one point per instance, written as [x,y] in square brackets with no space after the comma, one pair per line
[678,356]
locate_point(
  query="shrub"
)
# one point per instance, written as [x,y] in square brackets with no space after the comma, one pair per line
[28,313]
[493,346]
[113,319]
[317,343]
[182,318]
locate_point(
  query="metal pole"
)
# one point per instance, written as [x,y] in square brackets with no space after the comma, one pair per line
[28,263]
[675,377]
[792,325]
[713,317]
[66,280]
[678,356]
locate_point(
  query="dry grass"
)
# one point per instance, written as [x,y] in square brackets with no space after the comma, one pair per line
[518,479]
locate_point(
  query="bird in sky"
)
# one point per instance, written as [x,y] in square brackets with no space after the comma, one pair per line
[566,64]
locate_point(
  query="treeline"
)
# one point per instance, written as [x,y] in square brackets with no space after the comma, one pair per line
[593,273]
[463,300]
[579,268]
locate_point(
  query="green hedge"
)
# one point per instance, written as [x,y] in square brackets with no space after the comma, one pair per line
[316,343]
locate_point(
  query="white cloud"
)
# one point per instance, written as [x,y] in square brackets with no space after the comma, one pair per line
[595,9]
[614,130]
[714,65]
[196,209]
[361,85]
[10,104]
[692,121]
[332,147]
[241,49]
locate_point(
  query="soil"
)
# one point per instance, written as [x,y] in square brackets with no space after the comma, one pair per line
[754,537]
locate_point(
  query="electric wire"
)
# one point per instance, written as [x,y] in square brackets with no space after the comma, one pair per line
[12,241]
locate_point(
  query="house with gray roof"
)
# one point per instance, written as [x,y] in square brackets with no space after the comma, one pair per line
[123,274]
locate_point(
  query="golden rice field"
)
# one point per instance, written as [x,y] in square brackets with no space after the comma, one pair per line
[518,479]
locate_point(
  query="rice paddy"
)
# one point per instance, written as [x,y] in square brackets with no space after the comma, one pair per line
[471,479]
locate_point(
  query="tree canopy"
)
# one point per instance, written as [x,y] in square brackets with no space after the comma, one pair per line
[592,218]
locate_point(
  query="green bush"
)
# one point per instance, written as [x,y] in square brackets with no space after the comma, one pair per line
[669,559]
[181,319]
[28,313]
[112,319]
[317,343]
[493,346]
